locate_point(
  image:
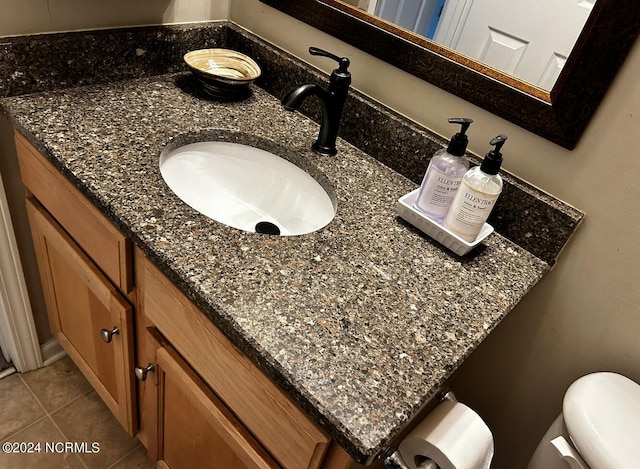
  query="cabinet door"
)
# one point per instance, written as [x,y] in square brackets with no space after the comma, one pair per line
[195,429]
[148,341]
[88,316]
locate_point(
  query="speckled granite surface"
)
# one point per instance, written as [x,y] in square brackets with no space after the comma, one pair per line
[45,62]
[360,322]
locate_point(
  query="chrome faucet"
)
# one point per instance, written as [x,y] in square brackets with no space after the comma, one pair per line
[331,101]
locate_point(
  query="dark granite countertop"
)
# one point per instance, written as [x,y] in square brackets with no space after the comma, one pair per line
[360,322]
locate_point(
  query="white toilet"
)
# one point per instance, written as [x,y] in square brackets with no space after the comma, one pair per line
[599,427]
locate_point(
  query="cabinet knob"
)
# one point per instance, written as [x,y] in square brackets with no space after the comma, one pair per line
[141,373]
[107,335]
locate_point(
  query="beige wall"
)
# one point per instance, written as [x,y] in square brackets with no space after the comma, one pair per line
[38,16]
[584,315]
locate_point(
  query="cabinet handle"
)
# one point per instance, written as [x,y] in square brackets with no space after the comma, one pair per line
[141,373]
[106,335]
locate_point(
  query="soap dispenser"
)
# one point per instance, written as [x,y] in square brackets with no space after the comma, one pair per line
[444,174]
[477,195]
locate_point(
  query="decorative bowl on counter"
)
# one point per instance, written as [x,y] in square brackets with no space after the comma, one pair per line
[223,73]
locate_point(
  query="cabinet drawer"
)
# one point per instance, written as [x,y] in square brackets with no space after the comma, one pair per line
[195,429]
[87,314]
[269,414]
[91,230]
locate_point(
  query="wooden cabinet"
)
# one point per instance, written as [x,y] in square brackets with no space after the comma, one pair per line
[109,249]
[86,267]
[195,429]
[87,314]
[289,435]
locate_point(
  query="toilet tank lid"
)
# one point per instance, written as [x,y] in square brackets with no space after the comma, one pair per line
[602,415]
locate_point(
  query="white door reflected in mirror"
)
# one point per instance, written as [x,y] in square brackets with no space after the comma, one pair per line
[528,39]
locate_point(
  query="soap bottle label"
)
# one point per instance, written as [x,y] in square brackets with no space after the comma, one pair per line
[468,212]
[437,192]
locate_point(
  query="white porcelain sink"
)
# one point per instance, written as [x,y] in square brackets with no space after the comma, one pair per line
[247,188]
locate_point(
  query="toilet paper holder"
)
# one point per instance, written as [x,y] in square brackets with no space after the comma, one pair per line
[394,460]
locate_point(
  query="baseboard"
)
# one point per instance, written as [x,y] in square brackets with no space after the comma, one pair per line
[7,372]
[51,351]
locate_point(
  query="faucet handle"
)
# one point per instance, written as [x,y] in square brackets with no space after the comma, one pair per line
[343,62]
[340,79]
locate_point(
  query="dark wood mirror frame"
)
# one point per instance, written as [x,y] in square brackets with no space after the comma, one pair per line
[560,115]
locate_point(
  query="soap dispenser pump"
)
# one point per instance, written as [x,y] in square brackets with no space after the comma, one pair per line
[477,195]
[444,174]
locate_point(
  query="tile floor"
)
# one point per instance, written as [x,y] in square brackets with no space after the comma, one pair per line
[57,404]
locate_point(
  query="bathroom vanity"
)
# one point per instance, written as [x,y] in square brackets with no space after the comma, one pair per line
[303,351]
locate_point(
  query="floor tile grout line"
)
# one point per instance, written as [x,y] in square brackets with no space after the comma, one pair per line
[55,424]
[32,393]
[124,457]
[88,391]
[80,457]
[38,419]
[57,408]
[50,414]
[28,425]
[50,418]
[64,436]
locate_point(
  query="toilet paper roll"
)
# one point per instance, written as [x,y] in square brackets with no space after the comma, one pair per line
[453,436]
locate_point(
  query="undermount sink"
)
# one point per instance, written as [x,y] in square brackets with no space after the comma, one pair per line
[246,187]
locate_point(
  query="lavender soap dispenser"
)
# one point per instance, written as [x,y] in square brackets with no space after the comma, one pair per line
[444,174]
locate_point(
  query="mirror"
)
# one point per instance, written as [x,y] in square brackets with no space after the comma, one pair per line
[525,39]
[560,114]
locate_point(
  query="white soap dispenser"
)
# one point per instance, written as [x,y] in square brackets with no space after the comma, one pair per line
[444,174]
[477,195]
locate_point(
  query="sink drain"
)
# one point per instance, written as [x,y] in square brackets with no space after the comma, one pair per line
[266,227]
